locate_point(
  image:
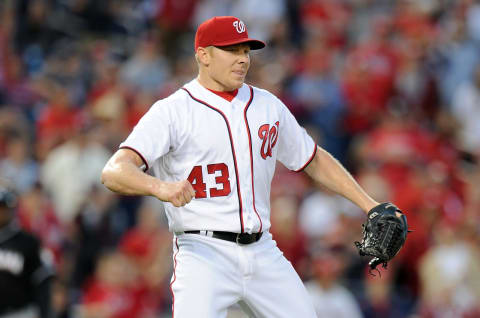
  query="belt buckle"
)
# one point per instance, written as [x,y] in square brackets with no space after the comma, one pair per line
[245,238]
[237,239]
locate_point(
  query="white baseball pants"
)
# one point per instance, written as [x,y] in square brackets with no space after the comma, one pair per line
[211,274]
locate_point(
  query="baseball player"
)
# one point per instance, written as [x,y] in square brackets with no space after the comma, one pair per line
[212,147]
[25,281]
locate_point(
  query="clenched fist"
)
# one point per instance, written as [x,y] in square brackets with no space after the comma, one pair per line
[178,193]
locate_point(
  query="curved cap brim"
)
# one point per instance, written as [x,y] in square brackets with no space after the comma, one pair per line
[254,44]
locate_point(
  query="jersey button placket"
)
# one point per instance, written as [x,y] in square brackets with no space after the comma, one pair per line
[243,147]
[253,220]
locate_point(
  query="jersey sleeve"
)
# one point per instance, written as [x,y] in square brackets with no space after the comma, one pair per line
[296,148]
[151,137]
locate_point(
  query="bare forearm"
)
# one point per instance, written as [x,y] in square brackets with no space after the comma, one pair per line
[327,171]
[126,178]
[123,175]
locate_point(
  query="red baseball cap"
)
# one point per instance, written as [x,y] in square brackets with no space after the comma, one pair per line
[224,31]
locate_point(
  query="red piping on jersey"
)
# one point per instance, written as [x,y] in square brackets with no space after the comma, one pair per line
[233,152]
[309,160]
[251,156]
[174,276]
[138,153]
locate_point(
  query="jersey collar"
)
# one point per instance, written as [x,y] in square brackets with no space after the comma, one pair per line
[198,90]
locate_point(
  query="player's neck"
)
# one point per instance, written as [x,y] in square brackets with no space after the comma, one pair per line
[213,85]
[228,96]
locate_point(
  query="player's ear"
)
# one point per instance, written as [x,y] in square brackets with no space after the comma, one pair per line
[204,55]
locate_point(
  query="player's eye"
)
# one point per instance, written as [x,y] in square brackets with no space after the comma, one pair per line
[237,49]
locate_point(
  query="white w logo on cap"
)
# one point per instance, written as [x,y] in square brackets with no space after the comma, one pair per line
[239,26]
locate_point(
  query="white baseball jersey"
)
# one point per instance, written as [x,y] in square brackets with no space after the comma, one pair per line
[227,150]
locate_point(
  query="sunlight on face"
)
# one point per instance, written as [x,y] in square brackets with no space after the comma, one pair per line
[228,66]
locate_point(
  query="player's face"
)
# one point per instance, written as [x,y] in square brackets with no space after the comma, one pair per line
[229,66]
[4,215]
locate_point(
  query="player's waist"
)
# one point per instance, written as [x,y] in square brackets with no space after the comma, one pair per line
[181,219]
[239,238]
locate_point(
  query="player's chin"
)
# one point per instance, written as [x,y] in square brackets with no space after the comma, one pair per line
[237,81]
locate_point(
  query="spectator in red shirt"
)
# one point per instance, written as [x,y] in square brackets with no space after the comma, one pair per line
[37,215]
[58,121]
[114,291]
[287,232]
[148,245]
[368,79]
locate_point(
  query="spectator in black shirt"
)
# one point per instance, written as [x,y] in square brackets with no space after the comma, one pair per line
[25,281]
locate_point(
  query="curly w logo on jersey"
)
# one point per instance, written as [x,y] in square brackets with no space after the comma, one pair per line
[269,135]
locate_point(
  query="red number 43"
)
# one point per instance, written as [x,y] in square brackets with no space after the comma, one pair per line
[196,179]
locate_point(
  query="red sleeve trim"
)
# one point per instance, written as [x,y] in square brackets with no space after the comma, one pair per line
[138,153]
[309,160]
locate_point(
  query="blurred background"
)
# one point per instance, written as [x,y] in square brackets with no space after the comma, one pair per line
[390,88]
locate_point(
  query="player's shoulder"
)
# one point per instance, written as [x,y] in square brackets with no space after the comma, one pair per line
[173,99]
[266,97]
[261,92]
[13,233]
[264,94]
[28,238]
[173,102]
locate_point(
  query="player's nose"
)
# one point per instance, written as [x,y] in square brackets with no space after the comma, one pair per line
[244,58]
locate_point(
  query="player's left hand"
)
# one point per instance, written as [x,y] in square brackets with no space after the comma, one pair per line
[384,234]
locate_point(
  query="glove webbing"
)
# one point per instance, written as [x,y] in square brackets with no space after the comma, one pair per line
[388,233]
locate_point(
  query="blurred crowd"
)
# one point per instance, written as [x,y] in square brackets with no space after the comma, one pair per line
[390,88]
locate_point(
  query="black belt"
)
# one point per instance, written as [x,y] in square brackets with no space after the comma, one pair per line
[240,238]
